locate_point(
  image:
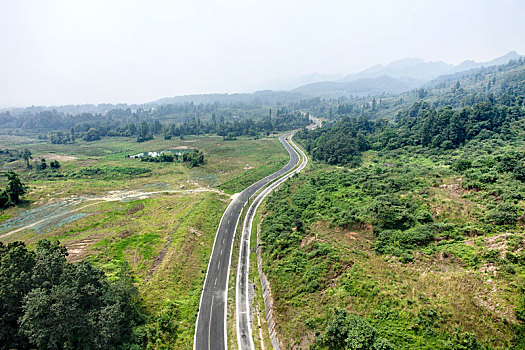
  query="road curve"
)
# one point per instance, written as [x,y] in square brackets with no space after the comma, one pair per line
[244,329]
[210,328]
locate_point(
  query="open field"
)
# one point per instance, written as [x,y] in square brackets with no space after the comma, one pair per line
[159,219]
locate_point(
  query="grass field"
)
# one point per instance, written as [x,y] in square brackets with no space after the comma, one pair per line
[159,219]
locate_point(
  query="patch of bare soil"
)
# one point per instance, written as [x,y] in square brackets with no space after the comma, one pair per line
[78,250]
[307,240]
[498,243]
[454,190]
[160,258]
[59,157]
[195,232]
[181,147]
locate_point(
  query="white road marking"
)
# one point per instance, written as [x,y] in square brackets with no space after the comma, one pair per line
[209,323]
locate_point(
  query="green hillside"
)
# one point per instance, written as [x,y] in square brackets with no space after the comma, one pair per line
[408,233]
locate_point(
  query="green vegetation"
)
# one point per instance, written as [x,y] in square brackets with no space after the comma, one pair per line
[143,124]
[48,303]
[191,159]
[13,192]
[406,231]
[413,230]
[347,331]
[387,243]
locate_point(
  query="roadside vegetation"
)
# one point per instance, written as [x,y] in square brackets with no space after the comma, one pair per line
[406,234]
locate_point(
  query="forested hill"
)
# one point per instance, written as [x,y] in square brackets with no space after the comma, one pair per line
[496,114]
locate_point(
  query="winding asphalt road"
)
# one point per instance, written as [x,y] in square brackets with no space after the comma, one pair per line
[210,329]
[244,329]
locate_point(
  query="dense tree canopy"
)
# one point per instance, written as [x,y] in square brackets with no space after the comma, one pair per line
[48,303]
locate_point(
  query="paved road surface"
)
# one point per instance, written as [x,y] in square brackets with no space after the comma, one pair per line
[210,330]
[244,330]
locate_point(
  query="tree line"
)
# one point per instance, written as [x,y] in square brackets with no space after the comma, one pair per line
[147,130]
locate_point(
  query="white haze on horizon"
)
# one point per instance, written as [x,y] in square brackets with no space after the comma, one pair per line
[75,52]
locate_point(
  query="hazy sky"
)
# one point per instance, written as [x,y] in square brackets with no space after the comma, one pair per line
[74,51]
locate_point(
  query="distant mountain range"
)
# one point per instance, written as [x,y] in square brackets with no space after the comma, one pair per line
[289,83]
[359,87]
[398,76]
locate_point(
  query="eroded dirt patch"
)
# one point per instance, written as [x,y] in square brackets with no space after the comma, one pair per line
[59,157]
[78,250]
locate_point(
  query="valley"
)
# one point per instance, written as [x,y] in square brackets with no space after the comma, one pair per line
[304,219]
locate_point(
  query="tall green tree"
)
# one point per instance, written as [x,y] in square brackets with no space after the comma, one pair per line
[16,269]
[26,154]
[13,191]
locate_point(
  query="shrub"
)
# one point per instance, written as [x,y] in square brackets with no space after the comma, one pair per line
[503,214]
[465,341]
[461,165]
[348,331]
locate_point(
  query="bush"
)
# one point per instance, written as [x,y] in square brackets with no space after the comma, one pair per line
[465,341]
[348,331]
[503,214]
[382,344]
[54,164]
[519,172]
[461,165]
[162,331]
[391,213]
[13,192]
[397,242]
